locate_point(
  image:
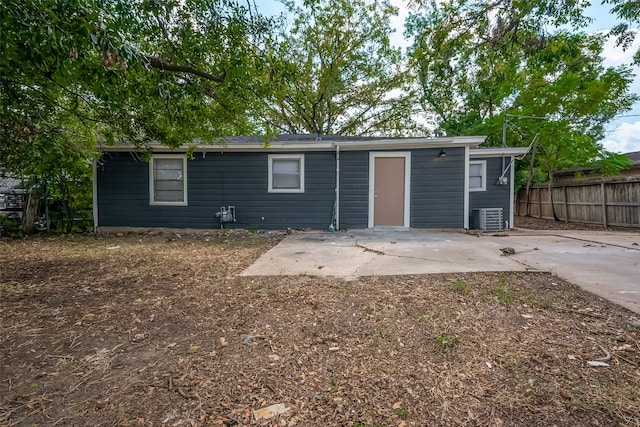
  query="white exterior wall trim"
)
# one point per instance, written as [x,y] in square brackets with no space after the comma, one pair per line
[512,207]
[95,195]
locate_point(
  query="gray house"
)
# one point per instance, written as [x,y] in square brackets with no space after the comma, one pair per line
[303,181]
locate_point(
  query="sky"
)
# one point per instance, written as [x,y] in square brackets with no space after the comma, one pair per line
[622,134]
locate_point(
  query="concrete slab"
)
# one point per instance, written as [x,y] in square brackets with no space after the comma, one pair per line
[615,238]
[381,252]
[314,254]
[604,263]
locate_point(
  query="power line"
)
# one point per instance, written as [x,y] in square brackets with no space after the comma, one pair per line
[547,118]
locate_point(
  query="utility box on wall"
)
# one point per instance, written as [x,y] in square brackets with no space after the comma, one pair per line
[488,219]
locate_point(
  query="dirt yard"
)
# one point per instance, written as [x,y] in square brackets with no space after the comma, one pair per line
[151,330]
[549,224]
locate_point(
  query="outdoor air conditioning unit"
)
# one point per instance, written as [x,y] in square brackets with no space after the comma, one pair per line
[488,219]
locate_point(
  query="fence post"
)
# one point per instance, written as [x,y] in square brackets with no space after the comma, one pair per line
[566,206]
[604,204]
[539,204]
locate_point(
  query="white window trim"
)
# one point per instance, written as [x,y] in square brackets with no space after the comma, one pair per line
[482,163]
[273,157]
[152,200]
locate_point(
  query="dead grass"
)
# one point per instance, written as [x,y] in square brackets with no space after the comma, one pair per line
[160,330]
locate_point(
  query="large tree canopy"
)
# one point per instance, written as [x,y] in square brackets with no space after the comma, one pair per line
[480,60]
[137,70]
[628,14]
[78,73]
[503,69]
[339,73]
[75,73]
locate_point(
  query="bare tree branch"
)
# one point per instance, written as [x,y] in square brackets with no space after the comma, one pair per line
[161,64]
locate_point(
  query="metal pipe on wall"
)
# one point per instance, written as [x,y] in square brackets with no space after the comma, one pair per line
[337,187]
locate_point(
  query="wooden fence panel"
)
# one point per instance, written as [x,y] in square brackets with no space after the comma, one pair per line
[622,204]
[615,203]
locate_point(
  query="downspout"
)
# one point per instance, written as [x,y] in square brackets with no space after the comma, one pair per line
[504,141]
[95,195]
[465,207]
[512,195]
[337,187]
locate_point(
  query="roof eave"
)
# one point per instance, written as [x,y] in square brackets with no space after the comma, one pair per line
[327,145]
[443,142]
[498,152]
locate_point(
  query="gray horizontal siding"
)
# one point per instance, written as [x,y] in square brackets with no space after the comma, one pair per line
[238,179]
[495,196]
[354,189]
[437,188]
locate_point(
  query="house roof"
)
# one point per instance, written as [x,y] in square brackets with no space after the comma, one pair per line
[308,142]
[634,156]
[7,184]
[309,138]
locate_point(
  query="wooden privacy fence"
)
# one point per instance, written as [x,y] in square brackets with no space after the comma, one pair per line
[609,203]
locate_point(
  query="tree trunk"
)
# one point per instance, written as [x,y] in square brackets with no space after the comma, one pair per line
[66,205]
[69,217]
[31,212]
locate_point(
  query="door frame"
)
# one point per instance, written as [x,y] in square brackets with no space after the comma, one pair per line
[407,182]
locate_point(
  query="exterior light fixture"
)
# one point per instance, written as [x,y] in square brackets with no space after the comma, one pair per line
[442,154]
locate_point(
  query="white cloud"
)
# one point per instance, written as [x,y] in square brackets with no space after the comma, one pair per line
[626,136]
[397,23]
[615,55]
[624,139]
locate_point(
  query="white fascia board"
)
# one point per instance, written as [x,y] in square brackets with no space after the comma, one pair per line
[393,144]
[498,152]
[233,147]
[274,146]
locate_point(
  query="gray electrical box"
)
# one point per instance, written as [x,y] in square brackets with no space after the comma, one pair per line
[488,219]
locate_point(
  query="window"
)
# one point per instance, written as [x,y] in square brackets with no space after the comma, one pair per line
[286,173]
[478,175]
[168,180]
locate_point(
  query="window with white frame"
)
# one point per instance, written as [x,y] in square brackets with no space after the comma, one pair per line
[168,180]
[286,173]
[478,175]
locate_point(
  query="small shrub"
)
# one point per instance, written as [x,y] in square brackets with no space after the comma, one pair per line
[345,289]
[502,292]
[10,227]
[446,341]
[402,413]
[461,286]
[538,302]
[334,382]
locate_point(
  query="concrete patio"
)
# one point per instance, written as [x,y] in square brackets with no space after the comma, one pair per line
[604,263]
